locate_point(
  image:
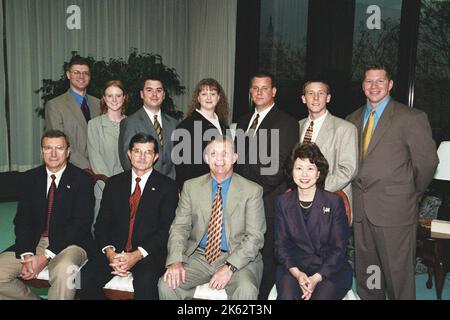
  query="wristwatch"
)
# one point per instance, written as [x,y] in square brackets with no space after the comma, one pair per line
[231,267]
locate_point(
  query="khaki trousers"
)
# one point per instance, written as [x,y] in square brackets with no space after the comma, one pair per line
[244,283]
[62,274]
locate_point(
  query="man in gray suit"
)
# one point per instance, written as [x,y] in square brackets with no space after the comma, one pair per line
[216,235]
[71,111]
[151,120]
[336,138]
[397,161]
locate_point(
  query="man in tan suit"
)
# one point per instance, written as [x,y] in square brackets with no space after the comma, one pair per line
[217,234]
[71,111]
[397,161]
[336,138]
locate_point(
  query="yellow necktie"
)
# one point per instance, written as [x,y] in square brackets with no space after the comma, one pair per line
[158,130]
[368,132]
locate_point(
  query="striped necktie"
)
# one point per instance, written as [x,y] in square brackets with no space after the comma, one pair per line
[309,132]
[158,129]
[212,250]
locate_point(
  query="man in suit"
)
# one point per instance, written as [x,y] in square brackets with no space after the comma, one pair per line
[336,138]
[132,227]
[151,120]
[397,161]
[216,235]
[268,131]
[52,224]
[71,111]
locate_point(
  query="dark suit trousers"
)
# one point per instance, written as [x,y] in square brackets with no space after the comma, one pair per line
[289,289]
[97,273]
[385,261]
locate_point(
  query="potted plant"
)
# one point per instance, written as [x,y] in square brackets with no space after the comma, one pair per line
[131,72]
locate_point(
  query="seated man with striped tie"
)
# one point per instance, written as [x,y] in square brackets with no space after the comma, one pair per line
[132,226]
[52,224]
[217,232]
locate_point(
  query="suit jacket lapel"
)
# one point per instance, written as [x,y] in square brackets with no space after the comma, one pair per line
[360,127]
[302,124]
[205,199]
[148,125]
[232,202]
[326,130]
[75,109]
[382,126]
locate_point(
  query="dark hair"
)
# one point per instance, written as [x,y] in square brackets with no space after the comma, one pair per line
[77,60]
[316,80]
[310,151]
[118,84]
[222,106]
[263,74]
[145,79]
[379,66]
[142,137]
[55,134]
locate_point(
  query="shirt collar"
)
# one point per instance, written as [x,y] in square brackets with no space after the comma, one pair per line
[378,109]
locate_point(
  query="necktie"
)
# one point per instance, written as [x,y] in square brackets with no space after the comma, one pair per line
[158,129]
[368,132]
[50,200]
[85,110]
[212,250]
[134,203]
[255,122]
[309,132]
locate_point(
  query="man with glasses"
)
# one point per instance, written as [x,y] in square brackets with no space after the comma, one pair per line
[71,111]
[132,226]
[52,224]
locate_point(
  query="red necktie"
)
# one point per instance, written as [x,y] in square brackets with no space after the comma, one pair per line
[309,132]
[85,110]
[50,200]
[134,203]
[212,250]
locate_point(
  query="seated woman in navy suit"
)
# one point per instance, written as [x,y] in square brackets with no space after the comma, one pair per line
[311,233]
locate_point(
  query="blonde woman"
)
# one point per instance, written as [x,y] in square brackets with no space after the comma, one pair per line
[103,135]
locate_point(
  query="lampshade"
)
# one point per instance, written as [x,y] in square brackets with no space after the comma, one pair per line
[443,169]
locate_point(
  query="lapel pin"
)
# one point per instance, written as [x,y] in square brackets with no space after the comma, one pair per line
[326,210]
[153,189]
[68,186]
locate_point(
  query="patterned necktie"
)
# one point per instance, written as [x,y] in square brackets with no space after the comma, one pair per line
[85,110]
[212,250]
[158,129]
[134,203]
[255,122]
[50,200]
[368,132]
[309,132]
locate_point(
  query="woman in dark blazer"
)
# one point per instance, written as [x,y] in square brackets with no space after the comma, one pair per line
[207,111]
[311,233]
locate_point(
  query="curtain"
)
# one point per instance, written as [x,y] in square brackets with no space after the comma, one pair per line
[197,38]
[212,43]
[4,164]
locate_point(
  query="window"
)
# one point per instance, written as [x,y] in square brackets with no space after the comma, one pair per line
[432,81]
[283,47]
[375,39]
